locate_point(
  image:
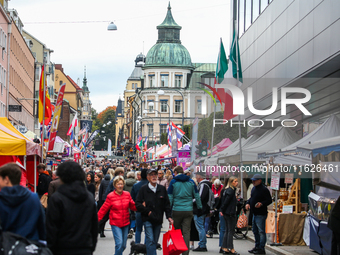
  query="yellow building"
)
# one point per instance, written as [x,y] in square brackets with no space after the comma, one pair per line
[133,84]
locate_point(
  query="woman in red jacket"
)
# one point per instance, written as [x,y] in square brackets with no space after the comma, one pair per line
[118,203]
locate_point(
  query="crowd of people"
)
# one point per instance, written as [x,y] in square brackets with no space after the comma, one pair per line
[132,196]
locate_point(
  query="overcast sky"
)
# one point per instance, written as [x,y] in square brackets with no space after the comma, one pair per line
[76,30]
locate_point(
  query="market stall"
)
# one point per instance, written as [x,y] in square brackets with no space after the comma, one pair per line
[14,145]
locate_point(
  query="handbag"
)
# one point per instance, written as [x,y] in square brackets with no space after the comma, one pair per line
[242,220]
[43,200]
[173,242]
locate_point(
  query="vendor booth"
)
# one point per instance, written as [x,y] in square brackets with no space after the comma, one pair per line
[15,146]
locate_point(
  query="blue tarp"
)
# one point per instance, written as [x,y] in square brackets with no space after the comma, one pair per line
[326,150]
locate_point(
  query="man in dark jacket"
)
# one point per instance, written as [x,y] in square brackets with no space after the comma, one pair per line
[199,215]
[134,192]
[71,217]
[152,201]
[258,202]
[43,181]
[17,204]
[334,225]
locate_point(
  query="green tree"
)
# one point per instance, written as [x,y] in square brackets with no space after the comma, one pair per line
[105,122]
[205,127]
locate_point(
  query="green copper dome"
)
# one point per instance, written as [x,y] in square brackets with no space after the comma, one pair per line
[168,51]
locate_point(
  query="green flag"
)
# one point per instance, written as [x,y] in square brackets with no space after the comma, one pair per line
[235,58]
[222,64]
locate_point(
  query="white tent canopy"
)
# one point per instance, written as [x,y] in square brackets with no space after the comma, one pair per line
[330,128]
[277,139]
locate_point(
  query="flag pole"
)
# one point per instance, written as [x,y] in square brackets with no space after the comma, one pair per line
[43,119]
[237,67]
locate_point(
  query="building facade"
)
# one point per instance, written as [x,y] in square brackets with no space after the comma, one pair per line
[290,44]
[42,56]
[21,76]
[4,30]
[170,89]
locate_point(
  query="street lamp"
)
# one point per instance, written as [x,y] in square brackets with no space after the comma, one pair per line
[112,27]
[161,92]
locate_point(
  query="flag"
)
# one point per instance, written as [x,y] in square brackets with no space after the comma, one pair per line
[71,139]
[73,124]
[139,142]
[109,145]
[235,58]
[222,64]
[93,135]
[146,143]
[179,131]
[48,107]
[169,134]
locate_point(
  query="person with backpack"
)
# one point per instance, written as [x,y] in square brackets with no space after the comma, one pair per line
[207,198]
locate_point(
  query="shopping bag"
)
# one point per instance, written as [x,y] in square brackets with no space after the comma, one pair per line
[242,221]
[43,200]
[173,242]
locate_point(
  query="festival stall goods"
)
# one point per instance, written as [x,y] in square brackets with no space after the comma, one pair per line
[14,144]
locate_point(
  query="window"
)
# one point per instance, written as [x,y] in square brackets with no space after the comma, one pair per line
[178,81]
[162,129]
[199,106]
[164,80]
[256,9]
[264,4]
[164,106]
[133,85]
[150,106]
[241,18]
[152,81]
[178,106]
[150,130]
[248,4]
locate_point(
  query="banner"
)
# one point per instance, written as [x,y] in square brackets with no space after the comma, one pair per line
[194,139]
[86,124]
[93,135]
[56,117]
[109,145]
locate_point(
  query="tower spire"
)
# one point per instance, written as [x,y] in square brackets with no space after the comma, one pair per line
[85,88]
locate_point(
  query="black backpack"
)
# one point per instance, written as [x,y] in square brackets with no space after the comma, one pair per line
[14,244]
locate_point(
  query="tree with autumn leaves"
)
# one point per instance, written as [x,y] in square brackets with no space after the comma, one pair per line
[105,123]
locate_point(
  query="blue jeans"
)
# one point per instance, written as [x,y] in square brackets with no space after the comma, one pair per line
[222,230]
[259,230]
[199,223]
[139,227]
[152,233]
[207,224]
[120,236]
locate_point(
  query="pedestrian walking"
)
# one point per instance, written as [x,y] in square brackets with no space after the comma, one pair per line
[90,183]
[161,180]
[152,201]
[43,181]
[118,204]
[259,200]
[228,211]
[71,216]
[182,190]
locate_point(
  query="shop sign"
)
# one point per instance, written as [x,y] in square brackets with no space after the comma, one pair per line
[287,209]
[275,182]
[289,178]
[14,108]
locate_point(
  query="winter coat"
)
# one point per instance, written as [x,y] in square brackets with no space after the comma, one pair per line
[203,191]
[156,203]
[103,186]
[261,194]
[54,185]
[163,182]
[21,213]
[136,187]
[182,190]
[71,220]
[129,182]
[229,201]
[119,206]
[43,183]
[90,187]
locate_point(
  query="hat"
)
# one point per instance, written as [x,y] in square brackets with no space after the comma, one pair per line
[152,170]
[256,177]
[201,173]
[187,171]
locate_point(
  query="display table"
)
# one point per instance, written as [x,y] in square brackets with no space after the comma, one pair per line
[320,236]
[291,227]
[286,233]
